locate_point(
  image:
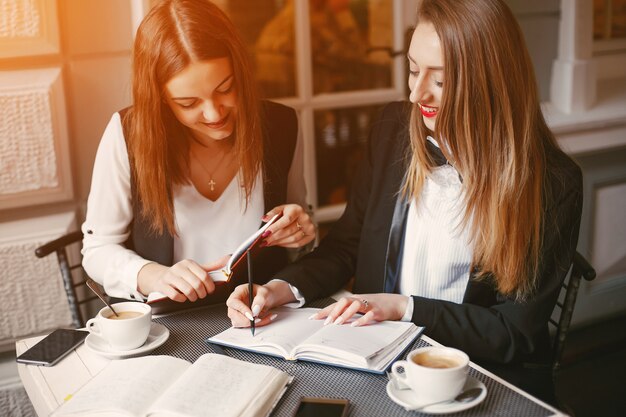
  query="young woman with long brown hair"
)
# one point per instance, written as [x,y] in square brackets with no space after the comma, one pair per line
[191,169]
[470,235]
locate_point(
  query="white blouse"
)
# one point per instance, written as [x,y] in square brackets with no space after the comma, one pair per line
[205,228]
[437,251]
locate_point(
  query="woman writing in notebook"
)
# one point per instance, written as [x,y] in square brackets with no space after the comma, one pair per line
[188,172]
[465,214]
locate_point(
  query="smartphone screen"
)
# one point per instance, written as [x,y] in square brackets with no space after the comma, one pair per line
[327,407]
[53,347]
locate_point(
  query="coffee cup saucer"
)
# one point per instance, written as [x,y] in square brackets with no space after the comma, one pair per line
[157,336]
[409,400]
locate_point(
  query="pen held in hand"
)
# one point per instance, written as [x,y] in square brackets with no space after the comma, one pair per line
[250,289]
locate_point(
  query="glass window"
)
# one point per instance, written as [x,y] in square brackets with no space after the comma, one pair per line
[609,19]
[268,30]
[350,40]
[346,39]
[340,137]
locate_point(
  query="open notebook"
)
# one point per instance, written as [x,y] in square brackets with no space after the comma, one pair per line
[293,336]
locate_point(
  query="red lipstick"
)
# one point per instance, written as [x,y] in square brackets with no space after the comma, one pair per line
[428,111]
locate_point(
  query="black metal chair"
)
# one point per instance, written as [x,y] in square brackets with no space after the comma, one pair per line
[564,308]
[71,280]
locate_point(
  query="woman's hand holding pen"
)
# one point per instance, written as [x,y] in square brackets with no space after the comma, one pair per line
[185,280]
[374,307]
[294,229]
[266,297]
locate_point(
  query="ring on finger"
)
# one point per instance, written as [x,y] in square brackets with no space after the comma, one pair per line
[365,303]
[299,226]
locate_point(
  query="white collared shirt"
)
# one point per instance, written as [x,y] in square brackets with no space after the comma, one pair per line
[437,250]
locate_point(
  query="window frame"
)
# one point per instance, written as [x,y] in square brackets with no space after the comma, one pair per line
[306,103]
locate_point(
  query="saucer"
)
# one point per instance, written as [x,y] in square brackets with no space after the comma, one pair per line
[157,336]
[407,399]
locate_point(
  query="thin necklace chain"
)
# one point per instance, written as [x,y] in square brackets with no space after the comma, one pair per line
[211,183]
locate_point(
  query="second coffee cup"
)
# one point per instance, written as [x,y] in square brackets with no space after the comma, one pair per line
[433,373]
[129,330]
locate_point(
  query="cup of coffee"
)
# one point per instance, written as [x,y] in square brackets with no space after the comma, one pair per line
[433,373]
[126,331]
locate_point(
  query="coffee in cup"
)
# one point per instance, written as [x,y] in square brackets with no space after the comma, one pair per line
[123,315]
[433,373]
[431,359]
[126,331]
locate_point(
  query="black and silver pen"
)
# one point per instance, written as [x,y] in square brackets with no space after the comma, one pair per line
[250,289]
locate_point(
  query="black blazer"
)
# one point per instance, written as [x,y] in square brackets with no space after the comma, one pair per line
[280,132]
[366,243]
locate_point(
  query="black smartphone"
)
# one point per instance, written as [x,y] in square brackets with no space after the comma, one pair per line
[53,347]
[322,407]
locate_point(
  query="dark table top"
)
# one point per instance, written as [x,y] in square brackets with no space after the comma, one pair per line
[366,391]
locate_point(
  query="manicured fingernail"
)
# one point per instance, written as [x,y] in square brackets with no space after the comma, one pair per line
[256,310]
[256,321]
[339,320]
[327,321]
[248,316]
[263,244]
[355,324]
[273,316]
[267,233]
[313,316]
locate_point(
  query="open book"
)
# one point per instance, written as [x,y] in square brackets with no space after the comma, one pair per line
[215,385]
[224,274]
[293,336]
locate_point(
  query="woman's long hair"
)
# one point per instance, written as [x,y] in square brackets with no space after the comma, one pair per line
[491,122]
[174,34]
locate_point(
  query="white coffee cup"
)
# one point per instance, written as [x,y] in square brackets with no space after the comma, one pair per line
[127,332]
[433,373]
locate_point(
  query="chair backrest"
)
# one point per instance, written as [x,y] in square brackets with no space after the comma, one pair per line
[564,309]
[71,280]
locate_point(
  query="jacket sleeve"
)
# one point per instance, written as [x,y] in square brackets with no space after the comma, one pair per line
[333,263]
[509,329]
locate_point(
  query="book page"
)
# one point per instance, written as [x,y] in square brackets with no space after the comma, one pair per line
[361,342]
[290,328]
[129,386]
[217,385]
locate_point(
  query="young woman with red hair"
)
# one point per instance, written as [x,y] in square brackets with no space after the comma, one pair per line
[193,166]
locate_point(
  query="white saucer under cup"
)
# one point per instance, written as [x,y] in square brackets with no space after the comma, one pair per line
[411,401]
[158,335]
[122,334]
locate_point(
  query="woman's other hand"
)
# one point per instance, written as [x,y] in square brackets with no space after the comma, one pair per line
[374,307]
[266,297]
[185,280]
[293,230]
